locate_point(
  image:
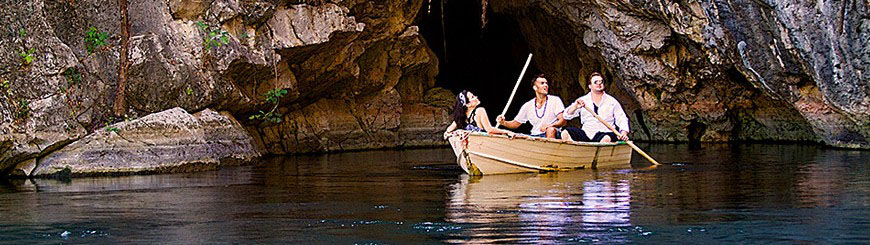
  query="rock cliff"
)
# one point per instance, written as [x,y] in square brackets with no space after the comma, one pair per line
[107,86]
[713,70]
[349,68]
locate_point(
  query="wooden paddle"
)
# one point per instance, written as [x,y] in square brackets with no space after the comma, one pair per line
[627,141]
[515,88]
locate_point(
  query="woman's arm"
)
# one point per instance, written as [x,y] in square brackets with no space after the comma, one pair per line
[449,129]
[483,121]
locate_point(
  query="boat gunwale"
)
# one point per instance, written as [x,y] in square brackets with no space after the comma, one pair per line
[548,140]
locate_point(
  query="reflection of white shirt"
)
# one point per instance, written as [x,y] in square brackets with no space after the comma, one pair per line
[609,110]
[547,113]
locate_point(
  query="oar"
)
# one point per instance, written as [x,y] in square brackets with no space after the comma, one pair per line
[627,141]
[515,88]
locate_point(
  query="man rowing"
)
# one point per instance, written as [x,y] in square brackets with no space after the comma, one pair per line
[602,104]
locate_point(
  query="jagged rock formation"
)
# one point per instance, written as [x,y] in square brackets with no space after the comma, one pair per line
[713,70]
[351,68]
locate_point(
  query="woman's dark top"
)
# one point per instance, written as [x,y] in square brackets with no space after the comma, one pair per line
[472,124]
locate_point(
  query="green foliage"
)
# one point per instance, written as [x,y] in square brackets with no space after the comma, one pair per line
[22,32]
[27,56]
[109,128]
[244,35]
[23,109]
[189,91]
[94,38]
[215,37]
[272,96]
[270,116]
[5,86]
[73,76]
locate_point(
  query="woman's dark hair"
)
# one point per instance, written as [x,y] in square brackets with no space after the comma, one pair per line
[459,110]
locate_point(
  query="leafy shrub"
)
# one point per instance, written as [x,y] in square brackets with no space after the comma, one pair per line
[27,56]
[215,37]
[94,39]
[73,76]
[23,109]
[272,96]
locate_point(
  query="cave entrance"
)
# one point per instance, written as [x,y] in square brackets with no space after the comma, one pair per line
[484,60]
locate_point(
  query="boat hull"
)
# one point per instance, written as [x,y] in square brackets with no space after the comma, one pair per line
[483,154]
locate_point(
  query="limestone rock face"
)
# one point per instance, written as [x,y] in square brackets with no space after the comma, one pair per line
[363,61]
[713,70]
[172,140]
[370,122]
[348,90]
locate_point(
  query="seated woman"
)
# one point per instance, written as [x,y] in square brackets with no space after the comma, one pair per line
[467,115]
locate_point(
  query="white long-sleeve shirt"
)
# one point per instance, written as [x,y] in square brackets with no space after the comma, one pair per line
[609,110]
[547,113]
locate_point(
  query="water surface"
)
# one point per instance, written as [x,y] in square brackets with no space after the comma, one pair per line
[715,193]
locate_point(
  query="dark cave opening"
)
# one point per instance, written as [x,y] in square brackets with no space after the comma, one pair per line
[695,131]
[484,60]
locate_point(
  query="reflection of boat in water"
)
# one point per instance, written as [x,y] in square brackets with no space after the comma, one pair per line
[481,153]
[550,207]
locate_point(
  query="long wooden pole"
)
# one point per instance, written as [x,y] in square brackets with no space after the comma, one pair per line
[653,161]
[519,79]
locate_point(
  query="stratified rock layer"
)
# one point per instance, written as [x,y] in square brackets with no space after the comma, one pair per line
[168,141]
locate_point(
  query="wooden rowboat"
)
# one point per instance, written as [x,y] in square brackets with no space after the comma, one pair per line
[485,154]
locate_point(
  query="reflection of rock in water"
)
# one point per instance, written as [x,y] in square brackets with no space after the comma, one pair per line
[564,206]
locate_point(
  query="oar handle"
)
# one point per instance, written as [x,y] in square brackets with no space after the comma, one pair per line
[519,79]
[648,158]
[642,153]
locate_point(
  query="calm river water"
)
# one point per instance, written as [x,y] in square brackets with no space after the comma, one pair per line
[716,193]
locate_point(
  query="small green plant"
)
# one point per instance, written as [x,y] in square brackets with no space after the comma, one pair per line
[5,86]
[72,75]
[215,37]
[272,96]
[189,91]
[22,32]
[244,35]
[109,127]
[94,38]
[23,109]
[27,56]
[270,116]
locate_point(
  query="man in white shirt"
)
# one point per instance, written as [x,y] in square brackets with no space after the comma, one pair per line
[544,112]
[605,106]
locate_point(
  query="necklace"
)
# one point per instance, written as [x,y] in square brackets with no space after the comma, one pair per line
[543,113]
